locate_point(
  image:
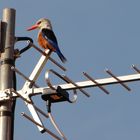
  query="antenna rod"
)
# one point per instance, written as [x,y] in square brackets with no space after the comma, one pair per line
[36,123]
[6,74]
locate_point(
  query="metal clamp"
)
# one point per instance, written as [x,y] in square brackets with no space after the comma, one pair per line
[5,94]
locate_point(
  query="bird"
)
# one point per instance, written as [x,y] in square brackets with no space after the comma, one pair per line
[46,37]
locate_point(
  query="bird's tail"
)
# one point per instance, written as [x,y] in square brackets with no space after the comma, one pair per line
[57,50]
[61,56]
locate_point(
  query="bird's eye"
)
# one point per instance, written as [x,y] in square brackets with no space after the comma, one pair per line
[38,22]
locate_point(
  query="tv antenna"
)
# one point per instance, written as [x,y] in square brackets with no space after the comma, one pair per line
[51,93]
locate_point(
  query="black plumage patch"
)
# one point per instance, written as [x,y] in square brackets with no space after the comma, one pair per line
[50,35]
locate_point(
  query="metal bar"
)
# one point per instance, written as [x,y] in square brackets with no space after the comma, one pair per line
[94,81]
[70,81]
[48,80]
[41,112]
[125,86]
[51,59]
[60,76]
[37,70]
[88,83]
[35,116]
[0,37]
[34,75]
[25,77]
[57,64]
[135,68]
[36,123]
[56,126]
[6,75]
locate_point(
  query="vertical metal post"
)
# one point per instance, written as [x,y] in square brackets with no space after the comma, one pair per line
[6,74]
[0,36]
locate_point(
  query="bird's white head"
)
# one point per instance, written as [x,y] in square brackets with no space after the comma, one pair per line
[41,24]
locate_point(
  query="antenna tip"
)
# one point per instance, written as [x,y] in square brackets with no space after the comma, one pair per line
[84,73]
[22,113]
[106,69]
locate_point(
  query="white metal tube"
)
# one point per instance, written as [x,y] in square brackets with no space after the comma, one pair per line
[37,70]
[34,75]
[88,83]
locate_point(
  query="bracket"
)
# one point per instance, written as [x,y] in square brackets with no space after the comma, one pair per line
[5,94]
[28,39]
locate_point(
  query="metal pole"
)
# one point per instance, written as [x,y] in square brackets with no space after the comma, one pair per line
[6,74]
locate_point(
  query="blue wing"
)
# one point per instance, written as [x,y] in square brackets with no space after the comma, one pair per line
[50,37]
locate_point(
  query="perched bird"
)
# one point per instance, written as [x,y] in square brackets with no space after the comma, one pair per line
[46,37]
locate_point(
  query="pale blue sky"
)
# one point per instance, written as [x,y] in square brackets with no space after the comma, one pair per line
[93,35]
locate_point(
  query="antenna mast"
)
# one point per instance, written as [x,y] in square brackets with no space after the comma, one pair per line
[6,74]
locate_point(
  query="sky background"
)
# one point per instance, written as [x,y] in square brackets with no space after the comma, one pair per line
[93,35]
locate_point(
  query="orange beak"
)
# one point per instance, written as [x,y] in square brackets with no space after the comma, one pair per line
[32,27]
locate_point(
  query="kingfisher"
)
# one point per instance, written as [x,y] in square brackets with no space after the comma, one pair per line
[46,37]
